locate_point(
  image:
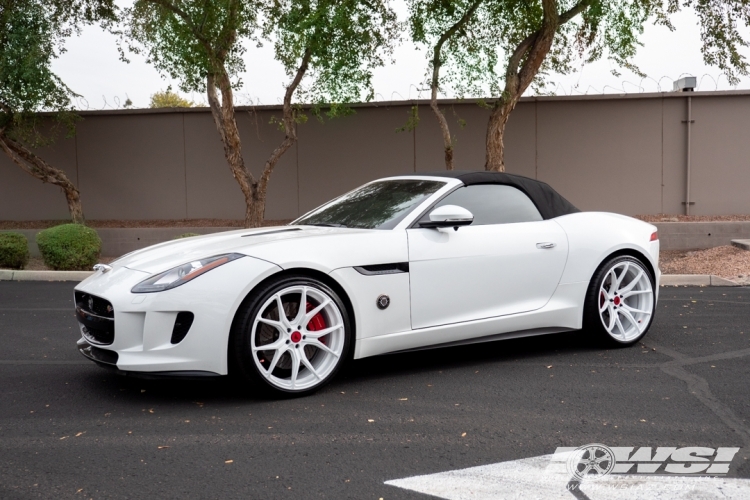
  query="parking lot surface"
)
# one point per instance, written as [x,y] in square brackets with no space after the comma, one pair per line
[69,429]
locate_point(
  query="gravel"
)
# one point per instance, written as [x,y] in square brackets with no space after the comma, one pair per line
[726,261]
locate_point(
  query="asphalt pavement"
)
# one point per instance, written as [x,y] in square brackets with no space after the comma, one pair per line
[69,429]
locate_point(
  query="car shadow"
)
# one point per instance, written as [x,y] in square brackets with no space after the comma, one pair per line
[230,391]
[469,356]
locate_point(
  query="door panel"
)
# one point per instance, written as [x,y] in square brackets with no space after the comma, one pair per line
[483,271]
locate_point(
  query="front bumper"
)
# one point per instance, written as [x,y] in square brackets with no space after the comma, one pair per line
[144,323]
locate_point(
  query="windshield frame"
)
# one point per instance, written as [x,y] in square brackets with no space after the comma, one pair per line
[409,218]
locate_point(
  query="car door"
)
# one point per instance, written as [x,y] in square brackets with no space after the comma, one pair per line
[507,261]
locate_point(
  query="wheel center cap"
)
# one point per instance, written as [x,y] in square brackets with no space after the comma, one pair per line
[296,337]
[617,301]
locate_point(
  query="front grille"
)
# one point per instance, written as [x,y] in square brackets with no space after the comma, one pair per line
[95,304]
[96,316]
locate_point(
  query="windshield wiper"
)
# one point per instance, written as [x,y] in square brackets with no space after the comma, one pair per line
[323,224]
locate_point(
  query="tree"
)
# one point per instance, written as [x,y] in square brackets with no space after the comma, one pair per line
[544,35]
[336,44]
[722,40]
[450,28]
[32,35]
[200,44]
[169,99]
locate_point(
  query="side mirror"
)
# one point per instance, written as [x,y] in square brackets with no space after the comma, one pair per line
[448,216]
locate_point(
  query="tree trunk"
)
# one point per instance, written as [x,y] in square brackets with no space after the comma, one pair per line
[523,66]
[444,129]
[290,129]
[45,172]
[226,124]
[495,160]
[447,142]
[435,82]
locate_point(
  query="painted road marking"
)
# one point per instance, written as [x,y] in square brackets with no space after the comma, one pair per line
[532,478]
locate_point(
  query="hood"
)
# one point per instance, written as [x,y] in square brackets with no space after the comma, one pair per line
[164,256]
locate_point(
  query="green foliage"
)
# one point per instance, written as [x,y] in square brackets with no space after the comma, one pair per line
[186,235]
[723,43]
[69,247]
[468,53]
[190,39]
[32,35]
[474,59]
[14,251]
[342,41]
[169,99]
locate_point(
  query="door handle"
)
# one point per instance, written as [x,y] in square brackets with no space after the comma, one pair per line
[545,245]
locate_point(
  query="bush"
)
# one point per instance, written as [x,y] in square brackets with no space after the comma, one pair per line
[187,235]
[69,247]
[14,250]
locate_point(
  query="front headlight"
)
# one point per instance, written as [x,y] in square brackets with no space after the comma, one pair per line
[182,274]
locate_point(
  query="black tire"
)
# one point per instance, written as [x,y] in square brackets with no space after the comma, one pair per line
[594,321]
[249,365]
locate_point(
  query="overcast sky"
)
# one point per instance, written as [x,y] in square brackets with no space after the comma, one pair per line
[91,67]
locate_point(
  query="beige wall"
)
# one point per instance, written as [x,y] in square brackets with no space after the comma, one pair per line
[617,153]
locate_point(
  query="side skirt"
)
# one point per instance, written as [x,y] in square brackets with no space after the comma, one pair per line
[563,312]
[491,338]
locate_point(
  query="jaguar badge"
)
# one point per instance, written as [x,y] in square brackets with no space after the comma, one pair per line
[383,301]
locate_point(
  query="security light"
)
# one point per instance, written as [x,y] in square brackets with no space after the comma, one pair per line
[686,84]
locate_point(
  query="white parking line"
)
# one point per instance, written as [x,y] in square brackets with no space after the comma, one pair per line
[530,479]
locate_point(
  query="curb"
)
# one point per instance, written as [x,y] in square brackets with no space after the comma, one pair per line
[695,280]
[10,275]
[666,279]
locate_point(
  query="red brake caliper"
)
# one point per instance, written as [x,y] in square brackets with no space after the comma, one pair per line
[317,322]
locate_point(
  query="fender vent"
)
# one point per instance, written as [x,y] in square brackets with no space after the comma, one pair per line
[181,326]
[377,269]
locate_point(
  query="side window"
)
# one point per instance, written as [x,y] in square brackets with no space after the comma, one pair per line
[493,204]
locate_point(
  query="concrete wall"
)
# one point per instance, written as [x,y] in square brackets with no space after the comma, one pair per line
[624,154]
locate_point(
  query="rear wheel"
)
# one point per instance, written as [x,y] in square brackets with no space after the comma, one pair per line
[620,301]
[291,337]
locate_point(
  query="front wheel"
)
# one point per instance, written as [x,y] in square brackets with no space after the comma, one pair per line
[290,337]
[620,302]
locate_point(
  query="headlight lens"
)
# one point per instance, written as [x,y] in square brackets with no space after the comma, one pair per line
[182,274]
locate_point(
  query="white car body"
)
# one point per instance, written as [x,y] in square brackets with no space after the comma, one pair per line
[469,285]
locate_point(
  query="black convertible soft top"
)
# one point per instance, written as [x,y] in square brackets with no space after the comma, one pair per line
[548,201]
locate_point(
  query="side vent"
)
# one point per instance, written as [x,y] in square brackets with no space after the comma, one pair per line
[181,326]
[378,269]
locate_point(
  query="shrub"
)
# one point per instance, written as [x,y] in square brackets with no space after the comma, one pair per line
[69,247]
[187,235]
[14,250]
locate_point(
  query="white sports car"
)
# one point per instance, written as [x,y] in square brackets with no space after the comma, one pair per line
[401,263]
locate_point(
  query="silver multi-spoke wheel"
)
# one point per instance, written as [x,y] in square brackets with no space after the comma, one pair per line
[298,337]
[623,300]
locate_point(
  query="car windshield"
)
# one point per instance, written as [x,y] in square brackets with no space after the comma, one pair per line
[378,205]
